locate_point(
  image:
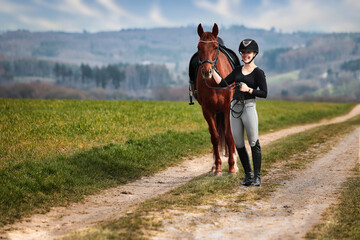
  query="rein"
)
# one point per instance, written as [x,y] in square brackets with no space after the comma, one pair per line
[234,113]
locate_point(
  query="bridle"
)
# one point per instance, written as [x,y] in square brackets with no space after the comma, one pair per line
[213,65]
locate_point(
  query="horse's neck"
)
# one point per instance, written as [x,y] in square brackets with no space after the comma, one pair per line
[223,65]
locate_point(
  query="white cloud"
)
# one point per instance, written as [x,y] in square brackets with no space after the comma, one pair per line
[78,7]
[224,8]
[297,15]
[354,4]
[293,15]
[26,17]
[74,7]
[104,15]
[156,17]
[287,16]
[40,23]
[11,8]
[118,16]
[113,8]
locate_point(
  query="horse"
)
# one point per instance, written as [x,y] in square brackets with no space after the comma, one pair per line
[215,101]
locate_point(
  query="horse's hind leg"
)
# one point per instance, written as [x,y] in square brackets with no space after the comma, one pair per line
[230,144]
[215,140]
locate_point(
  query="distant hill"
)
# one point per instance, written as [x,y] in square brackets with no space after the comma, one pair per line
[159,45]
[314,57]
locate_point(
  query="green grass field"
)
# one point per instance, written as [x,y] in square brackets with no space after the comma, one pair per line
[55,151]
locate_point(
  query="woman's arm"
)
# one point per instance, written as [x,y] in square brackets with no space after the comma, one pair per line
[229,79]
[261,82]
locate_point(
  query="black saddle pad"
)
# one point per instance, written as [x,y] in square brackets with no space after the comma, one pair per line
[193,67]
[231,56]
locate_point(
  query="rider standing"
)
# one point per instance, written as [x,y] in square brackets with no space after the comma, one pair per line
[250,82]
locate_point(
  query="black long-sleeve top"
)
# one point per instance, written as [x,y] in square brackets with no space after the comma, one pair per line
[256,79]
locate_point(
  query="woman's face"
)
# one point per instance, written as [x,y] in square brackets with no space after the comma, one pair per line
[247,56]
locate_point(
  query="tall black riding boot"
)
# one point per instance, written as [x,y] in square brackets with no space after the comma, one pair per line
[256,155]
[244,158]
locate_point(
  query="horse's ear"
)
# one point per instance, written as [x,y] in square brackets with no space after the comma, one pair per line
[215,30]
[200,30]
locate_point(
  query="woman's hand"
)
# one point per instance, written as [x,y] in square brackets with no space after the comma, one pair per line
[245,88]
[216,77]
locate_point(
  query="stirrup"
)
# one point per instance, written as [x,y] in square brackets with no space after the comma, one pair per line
[190,96]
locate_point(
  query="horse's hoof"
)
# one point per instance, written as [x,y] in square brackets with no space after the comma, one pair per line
[218,174]
[232,173]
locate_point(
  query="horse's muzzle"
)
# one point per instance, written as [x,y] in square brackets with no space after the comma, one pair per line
[206,74]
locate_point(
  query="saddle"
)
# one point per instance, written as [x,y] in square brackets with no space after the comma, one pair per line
[194,66]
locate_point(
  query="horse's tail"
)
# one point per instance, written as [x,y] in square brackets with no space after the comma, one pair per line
[220,127]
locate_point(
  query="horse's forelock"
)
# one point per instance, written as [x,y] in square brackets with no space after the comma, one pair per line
[208,36]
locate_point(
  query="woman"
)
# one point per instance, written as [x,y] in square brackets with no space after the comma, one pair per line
[250,82]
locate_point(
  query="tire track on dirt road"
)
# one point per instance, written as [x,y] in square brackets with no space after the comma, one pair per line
[115,202]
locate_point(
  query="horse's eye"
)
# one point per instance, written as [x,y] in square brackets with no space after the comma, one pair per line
[216,48]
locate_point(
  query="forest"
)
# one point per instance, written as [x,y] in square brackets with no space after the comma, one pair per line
[110,78]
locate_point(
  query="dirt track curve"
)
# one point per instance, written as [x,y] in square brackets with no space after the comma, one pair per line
[289,213]
[115,202]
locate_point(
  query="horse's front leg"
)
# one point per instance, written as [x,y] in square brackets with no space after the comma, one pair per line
[215,140]
[230,143]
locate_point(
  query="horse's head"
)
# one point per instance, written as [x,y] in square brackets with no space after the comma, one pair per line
[208,49]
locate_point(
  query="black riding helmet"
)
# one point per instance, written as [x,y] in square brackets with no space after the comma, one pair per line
[249,45]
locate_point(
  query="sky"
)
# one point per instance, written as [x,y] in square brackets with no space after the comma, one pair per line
[113,15]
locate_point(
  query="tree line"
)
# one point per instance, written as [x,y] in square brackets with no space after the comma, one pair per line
[24,67]
[85,76]
[352,65]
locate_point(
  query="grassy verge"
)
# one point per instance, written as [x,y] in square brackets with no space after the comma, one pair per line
[40,185]
[295,151]
[55,151]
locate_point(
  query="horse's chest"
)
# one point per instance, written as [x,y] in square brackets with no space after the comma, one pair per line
[215,101]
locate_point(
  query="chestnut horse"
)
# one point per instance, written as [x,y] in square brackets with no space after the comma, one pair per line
[215,101]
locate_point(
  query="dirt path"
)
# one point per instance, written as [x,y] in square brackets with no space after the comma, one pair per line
[289,213]
[115,202]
